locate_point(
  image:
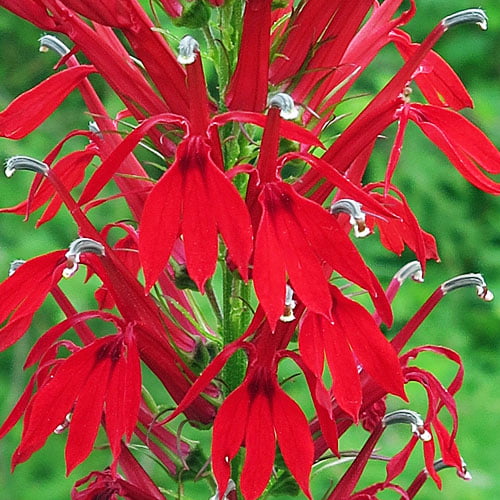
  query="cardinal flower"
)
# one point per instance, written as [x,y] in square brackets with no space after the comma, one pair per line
[101,379]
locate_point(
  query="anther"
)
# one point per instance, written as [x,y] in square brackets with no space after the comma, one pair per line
[15,265]
[411,270]
[290,304]
[357,216]
[471,279]
[77,247]
[15,163]
[285,103]
[188,47]
[408,417]
[50,42]
[468,16]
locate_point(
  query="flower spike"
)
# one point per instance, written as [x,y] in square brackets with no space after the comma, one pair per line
[15,163]
[468,16]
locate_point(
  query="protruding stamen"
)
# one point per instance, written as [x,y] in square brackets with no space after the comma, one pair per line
[290,304]
[15,265]
[468,16]
[439,465]
[231,486]
[357,216]
[471,279]
[285,103]
[77,247]
[94,128]
[411,270]
[188,47]
[51,42]
[64,425]
[408,417]
[15,163]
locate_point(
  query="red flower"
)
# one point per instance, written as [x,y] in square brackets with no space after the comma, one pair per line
[195,199]
[103,377]
[351,340]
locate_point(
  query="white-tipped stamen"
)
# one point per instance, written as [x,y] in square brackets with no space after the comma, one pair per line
[357,216]
[284,102]
[94,128]
[411,270]
[471,279]
[15,265]
[77,247]
[15,163]
[231,486]
[51,42]
[62,427]
[290,304]
[468,16]
[188,47]
[408,417]
[439,465]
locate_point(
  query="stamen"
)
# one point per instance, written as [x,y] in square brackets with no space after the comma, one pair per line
[62,427]
[468,16]
[15,265]
[439,465]
[408,417]
[357,216]
[290,304]
[15,163]
[285,103]
[471,279]
[51,42]
[231,486]
[411,270]
[77,247]
[188,47]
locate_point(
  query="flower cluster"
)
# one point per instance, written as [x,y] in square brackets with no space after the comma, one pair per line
[254,210]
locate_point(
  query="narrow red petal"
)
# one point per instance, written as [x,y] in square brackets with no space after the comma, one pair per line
[373,350]
[228,433]
[160,224]
[260,448]
[294,438]
[25,113]
[87,413]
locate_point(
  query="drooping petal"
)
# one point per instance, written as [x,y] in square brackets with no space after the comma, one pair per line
[87,413]
[25,113]
[260,448]
[373,350]
[228,433]
[55,399]
[160,224]
[294,438]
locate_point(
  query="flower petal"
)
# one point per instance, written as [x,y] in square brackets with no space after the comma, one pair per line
[260,448]
[294,438]
[25,113]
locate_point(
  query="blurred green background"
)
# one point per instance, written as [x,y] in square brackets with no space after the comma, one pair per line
[463,220]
